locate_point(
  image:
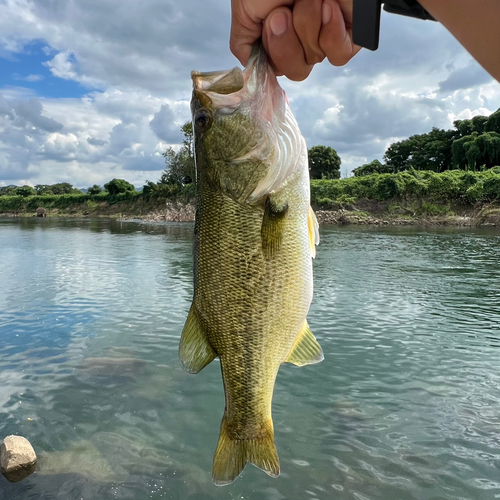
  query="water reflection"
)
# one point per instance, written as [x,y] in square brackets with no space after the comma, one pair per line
[405,404]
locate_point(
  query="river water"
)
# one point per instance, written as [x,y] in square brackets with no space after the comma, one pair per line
[406,404]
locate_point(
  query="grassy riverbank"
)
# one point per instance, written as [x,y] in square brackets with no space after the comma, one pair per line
[454,197]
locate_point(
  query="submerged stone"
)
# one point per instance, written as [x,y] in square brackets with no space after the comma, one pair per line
[82,458]
[110,370]
[17,458]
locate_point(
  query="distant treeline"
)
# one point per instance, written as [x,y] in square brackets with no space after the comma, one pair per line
[472,145]
[455,186]
[112,187]
[458,165]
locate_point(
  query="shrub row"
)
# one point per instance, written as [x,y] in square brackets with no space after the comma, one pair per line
[451,185]
[63,201]
[31,203]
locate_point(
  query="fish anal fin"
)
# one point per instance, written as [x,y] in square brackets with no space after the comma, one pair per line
[305,350]
[232,455]
[313,230]
[272,227]
[195,352]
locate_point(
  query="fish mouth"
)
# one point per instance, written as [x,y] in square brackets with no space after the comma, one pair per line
[226,90]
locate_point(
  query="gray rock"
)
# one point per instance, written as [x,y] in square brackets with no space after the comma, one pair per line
[17,458]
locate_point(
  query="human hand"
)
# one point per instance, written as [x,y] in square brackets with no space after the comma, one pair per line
[296,34]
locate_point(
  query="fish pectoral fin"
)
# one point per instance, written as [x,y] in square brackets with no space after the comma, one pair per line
[195,352]
[272,227]
[305,350]
[232,455]
[313,229]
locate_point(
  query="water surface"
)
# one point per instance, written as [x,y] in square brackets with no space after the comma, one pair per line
[404,406]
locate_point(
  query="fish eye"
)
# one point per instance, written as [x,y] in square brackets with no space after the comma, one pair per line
[202,119]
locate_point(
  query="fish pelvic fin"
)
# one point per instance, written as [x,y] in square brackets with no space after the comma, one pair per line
[232,455]
[272,228]
[305,350]
[313,230]
[195,352]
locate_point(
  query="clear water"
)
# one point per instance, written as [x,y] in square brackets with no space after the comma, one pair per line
[406,404]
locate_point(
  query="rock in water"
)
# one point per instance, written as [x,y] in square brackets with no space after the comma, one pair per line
[17,458]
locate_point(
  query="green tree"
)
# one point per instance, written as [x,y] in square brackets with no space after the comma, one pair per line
[117,186]
[63,188]
[180,166]
[8,190]
[477,150]
[324,163]
[493,123]
[479,124]
[430,151]
[42,189]
[149,189]
[95,189]
[24,191]
[374,167]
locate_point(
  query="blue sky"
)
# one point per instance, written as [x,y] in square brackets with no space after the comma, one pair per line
[29,70]
[91,90]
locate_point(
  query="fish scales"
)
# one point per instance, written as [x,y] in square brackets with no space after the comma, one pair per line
[252,267]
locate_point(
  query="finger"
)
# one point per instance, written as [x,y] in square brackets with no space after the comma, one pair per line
[245,31]
[246,24]
[283,45]
[335,38]
[307,15]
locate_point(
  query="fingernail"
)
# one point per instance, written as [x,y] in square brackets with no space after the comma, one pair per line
[278,23]
[326,12]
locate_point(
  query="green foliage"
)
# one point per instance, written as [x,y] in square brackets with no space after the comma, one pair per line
[152,190]
[42,189]
[472,151]
[491,188]
[374,167]
[449,186]
[473,145]
[24,191]
[433,209]
[431,151]
[8,190]
[119,186]
[180,166]
[388,186]
[63,188]
[479,124]
[324,163]
[149,189]
[493,124]
[95,189]
[92,205]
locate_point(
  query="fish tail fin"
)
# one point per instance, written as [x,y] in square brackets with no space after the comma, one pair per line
[232,455]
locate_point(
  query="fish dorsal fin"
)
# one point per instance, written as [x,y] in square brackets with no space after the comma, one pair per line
[195,351]
[313,229]
[305,350]
[272,227]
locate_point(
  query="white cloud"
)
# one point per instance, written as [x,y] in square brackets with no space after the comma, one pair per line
[138,55]
[29,78]
[106,131]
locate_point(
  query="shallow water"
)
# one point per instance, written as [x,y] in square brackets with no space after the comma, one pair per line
[406,404]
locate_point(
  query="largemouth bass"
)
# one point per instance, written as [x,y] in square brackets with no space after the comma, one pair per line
[254,238]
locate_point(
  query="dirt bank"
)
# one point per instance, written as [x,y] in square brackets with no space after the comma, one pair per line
[364,212]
